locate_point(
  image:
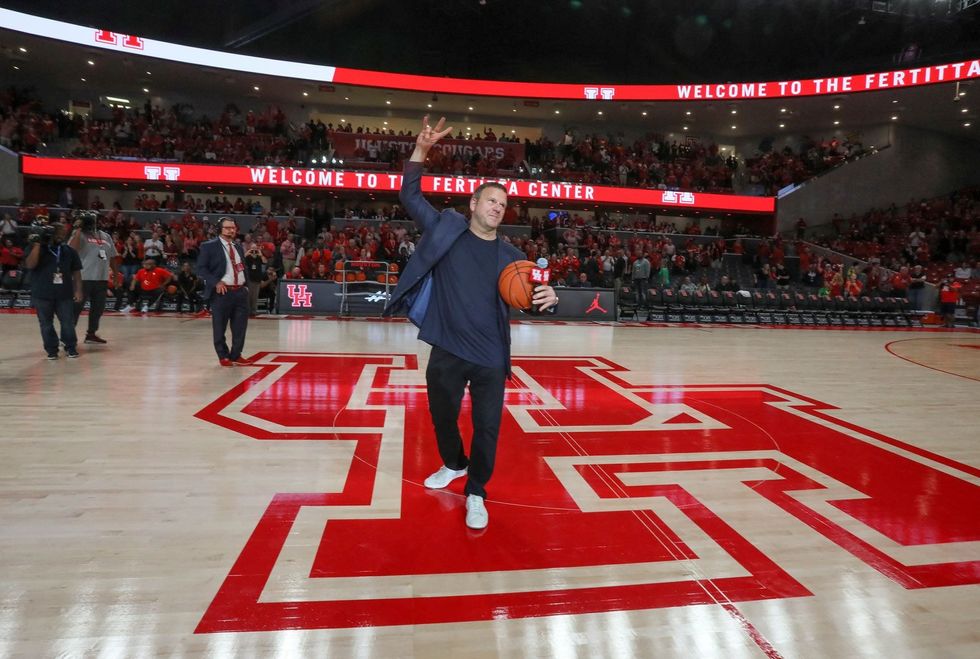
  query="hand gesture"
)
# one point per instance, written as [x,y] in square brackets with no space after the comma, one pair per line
[429,135]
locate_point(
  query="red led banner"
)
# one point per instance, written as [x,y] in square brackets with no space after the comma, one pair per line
[332,179]
[135,45]
[862,82]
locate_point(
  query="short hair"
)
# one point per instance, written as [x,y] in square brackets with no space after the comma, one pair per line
[488,184]
[225,218]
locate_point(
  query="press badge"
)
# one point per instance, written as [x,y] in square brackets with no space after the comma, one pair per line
[102,254]
[58,279]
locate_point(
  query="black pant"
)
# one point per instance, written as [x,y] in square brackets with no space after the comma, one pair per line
[95,292]
[231,307]
[193,300]
[446,378]
[64,309]
[147,296]
[641,286]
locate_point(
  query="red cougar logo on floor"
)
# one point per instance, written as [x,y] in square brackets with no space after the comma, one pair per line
[610,494]
[299,296]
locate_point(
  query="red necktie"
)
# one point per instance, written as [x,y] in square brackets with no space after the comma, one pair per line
[234,270]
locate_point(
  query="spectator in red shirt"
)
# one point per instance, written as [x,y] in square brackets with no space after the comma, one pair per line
[149,283]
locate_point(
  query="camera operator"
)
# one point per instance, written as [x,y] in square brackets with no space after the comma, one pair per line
[269,286]
[255,263]
[188,285]
[99,261]
[56,285]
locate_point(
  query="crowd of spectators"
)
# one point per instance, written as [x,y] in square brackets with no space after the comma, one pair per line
[774,169]
[940,235]
[268,137]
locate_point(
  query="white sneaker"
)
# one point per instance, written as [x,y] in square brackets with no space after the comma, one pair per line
[443,477]
[126,309]
[145,308]
[476,512]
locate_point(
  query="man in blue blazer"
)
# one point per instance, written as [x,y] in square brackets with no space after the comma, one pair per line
[449,290]
[221,264]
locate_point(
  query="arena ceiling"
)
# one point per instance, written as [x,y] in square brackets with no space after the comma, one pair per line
[622,41]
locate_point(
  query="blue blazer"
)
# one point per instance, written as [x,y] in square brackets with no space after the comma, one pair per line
[211,264]
[439,231]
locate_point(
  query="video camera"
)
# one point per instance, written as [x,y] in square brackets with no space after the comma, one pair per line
[45,233]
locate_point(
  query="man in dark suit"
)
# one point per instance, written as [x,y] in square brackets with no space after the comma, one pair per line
[221,264]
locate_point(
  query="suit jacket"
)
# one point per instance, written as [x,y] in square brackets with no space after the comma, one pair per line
[439,231]
[212,264]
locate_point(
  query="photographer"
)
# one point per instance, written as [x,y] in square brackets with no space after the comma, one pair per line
[188,285]
[56,285]
[255,263]
[268,287]
[99,261]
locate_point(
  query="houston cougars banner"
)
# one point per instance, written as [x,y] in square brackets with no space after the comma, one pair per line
[332,179]
[349,145]
[138,45]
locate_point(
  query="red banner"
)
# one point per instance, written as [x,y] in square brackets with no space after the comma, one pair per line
[357,146]
[333,179]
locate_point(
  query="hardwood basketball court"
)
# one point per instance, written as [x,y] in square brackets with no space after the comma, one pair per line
[659,491]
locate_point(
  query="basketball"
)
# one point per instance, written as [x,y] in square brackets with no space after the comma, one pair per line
[171,290]
[515,285]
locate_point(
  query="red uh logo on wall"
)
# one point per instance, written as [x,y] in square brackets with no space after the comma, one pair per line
[153,173]
[299,296]
[606,93]
[116,39]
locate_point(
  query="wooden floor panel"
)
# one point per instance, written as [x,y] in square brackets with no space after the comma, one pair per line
[671,491]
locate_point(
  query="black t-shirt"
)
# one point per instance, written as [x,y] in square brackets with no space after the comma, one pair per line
[55,259]
[187,281]
[463,313]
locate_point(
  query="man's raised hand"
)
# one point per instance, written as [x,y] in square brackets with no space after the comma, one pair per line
[430,135]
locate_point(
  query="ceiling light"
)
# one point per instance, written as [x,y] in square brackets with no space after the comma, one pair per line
[146,90]
[513,110]
[782,125]
[895,117]
[965,110]
[688,113]
[255,87]
[385,123]
[84,80]
[734,111]
[782,109]
[734,127]
[347,98]
[428,105]
[600,112]
[837,107]
[470,108]
[90,63]
[22,49]
[148,73]
[306,93]
[962,93]
[644,113]
[557,112]
[116,99]
[16,68]
[837,123]
[895,101]
[966,125]
[388,101]
[685,127]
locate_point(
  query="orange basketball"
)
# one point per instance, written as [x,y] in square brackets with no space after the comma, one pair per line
[515,284]
[171,290]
